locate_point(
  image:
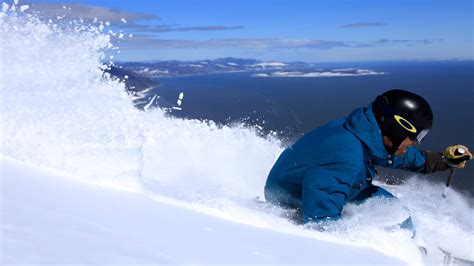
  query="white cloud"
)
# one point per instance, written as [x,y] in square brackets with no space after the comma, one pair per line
[89,12]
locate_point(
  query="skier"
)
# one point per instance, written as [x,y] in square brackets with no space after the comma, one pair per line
[334,164]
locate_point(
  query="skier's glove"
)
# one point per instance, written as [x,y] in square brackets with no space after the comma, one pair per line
[457,155]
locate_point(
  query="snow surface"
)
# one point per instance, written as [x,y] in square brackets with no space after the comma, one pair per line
[88,178]
[51,218]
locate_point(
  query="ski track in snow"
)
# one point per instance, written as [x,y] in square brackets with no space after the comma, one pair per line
[60,112]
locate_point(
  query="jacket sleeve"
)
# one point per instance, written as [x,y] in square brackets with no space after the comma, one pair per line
[416,160]
[325,190]
[413,160]
[434,162]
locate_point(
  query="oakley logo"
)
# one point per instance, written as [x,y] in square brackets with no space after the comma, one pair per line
[405,124]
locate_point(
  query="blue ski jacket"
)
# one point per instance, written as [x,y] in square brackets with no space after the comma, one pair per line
[332,164]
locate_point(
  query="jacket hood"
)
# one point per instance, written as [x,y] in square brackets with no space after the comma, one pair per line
[362,124]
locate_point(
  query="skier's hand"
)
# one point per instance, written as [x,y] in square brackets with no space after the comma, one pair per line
[457,156]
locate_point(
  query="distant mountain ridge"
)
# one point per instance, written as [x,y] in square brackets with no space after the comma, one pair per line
[141,78]
[133,80]
[173,68]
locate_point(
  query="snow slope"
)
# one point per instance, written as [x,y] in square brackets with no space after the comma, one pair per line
[86,177]
[49,218]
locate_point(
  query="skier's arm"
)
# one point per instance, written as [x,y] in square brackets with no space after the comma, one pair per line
[324,193]
[450,158]
[413,160]
[429,162]
[420,161]
[434,162]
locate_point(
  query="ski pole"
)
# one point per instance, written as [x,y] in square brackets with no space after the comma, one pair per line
[448,182]
[458,151]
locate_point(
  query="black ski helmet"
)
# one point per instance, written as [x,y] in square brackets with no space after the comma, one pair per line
[402,114]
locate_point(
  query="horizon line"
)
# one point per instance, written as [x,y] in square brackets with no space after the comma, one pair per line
[299,61]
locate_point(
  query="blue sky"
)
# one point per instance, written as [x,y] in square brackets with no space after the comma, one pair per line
[284,30]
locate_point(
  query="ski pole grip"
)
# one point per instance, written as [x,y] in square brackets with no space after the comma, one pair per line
[459,151]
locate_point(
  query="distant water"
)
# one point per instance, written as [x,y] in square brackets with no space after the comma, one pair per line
[292,106]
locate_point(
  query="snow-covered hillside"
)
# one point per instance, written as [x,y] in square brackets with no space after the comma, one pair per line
[88,178]
[51,218]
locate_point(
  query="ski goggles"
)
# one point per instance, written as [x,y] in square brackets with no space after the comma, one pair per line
[419,136]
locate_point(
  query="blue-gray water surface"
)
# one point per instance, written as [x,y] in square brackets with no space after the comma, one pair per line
[293,106]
